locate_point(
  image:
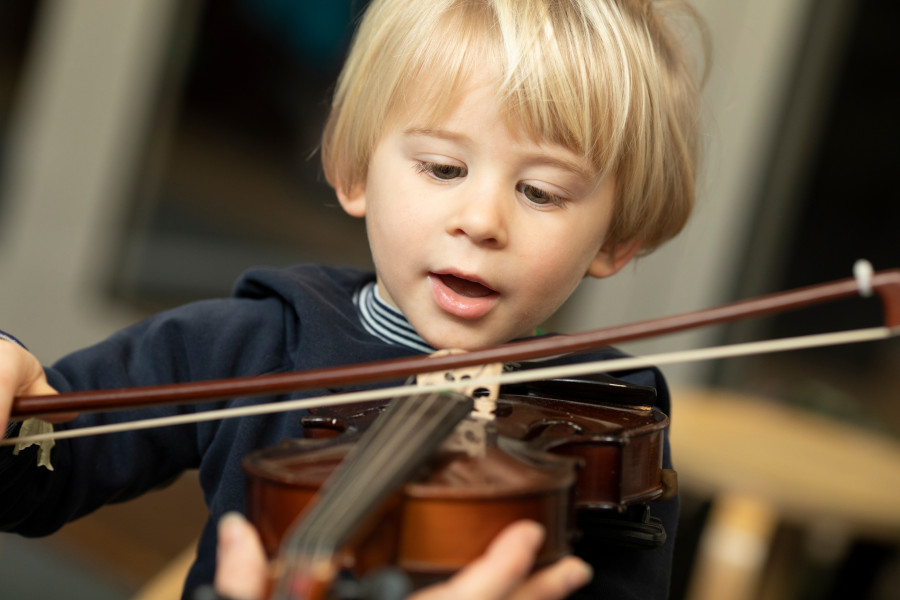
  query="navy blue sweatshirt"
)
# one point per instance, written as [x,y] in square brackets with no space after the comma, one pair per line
[277,321]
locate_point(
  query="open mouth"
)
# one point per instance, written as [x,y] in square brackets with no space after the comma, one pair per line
[462,297]
[465,287]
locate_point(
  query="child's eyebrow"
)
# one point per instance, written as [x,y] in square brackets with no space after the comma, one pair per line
[438,133]
[541,158]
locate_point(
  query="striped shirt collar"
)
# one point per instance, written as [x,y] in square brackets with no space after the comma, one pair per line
[386,322]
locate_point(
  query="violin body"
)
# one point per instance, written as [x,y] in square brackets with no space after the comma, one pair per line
[554,454]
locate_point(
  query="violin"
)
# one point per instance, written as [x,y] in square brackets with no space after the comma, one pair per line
[553,452]
[572,439]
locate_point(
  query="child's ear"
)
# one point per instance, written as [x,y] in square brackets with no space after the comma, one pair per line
[611,259]
[353,199]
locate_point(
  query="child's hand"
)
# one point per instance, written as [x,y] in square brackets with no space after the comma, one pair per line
[502,573]
[21,374]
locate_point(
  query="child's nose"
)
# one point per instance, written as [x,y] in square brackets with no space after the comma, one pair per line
[481,217]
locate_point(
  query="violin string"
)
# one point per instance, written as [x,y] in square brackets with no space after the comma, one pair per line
[329,512]
[413,430]
[375,467]
[352,511]
[610,365]
[407,442]
[308,542]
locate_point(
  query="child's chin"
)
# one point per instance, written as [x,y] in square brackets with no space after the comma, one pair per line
[466,338]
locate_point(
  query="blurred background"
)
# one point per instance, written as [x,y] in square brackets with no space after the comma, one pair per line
[152,150]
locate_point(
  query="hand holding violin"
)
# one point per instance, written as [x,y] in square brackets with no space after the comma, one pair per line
[504,572]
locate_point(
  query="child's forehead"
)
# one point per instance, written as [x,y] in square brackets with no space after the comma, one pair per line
[436,107]
[539,102]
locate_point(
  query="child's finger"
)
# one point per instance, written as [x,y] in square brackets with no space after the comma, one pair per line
[21,374]
[558,580]
[240,561]
[499,572]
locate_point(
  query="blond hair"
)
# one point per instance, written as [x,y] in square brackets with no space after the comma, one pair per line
[606,79]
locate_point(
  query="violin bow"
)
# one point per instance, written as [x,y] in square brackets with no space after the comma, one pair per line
[886,284]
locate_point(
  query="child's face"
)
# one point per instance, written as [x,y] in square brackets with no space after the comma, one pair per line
[478,233]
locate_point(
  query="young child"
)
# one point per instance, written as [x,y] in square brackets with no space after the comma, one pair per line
[500,151]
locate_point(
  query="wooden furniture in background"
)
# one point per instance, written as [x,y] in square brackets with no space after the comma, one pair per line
[764,463]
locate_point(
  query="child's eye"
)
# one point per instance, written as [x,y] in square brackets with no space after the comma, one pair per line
[439,171]
[540,197]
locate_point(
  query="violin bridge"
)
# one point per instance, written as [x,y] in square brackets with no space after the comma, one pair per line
[471,435]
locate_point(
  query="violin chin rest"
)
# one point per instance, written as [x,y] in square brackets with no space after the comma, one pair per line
[634,528]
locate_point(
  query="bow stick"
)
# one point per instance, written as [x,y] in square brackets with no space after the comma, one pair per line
[885,283]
